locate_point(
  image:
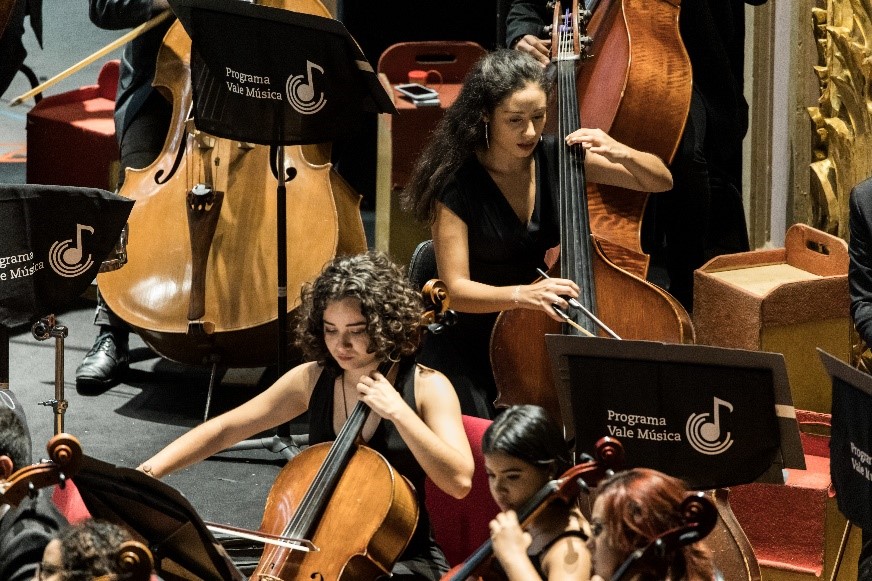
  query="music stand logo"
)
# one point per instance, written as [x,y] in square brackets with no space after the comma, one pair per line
[301,93]
[704,434]
[68,260]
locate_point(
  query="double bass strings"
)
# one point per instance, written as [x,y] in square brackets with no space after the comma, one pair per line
[574,303]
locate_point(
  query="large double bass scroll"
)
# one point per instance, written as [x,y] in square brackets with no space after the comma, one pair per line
[202,278]
[628,304]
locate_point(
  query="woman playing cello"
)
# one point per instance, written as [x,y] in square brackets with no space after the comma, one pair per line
[487,184]
[524,449]
[359,311]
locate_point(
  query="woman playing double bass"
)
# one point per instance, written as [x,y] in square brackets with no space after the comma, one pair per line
[487,184]
[359,312]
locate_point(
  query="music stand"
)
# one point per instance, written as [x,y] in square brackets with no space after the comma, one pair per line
[157,513]
[53,242]
[851,440]
[290,79]
[712,416]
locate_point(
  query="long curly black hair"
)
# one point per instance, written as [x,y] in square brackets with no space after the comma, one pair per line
[461,131]
[391,306]
[90,549]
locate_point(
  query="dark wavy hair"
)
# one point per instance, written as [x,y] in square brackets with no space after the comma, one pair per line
[391,306]
[638,506]
[14,439]
[528,433]
[90,549]
[461,131]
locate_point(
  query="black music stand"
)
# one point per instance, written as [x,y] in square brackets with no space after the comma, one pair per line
[714,417]
[157,513]
[53,240]
[851,440]
[275,77]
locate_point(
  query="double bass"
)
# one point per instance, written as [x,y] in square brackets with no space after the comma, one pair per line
[607,92]
[604,91]
[201,278]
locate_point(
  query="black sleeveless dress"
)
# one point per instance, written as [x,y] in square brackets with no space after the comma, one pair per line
[422,559]
[503,251]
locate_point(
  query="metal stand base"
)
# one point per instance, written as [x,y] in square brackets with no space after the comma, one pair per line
[286,446]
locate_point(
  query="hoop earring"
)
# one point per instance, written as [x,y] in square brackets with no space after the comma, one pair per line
[486,140]
[394,356]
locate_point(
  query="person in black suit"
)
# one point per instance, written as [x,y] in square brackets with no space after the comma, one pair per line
[12,51]
[142,119]
[860,284]
[26,529]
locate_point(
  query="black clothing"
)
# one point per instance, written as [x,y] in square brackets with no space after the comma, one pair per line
[24,532]
[139,59]
[422,556]
[12,51]
[502,252]
[860,253]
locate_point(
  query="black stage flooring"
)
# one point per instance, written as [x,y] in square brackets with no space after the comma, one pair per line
[157,401]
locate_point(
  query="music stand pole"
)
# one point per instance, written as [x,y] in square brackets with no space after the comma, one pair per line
[282,442]
[4,357]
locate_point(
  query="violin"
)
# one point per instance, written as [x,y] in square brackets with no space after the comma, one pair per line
[609,455]
[699,517]
[351,513]
[65,458]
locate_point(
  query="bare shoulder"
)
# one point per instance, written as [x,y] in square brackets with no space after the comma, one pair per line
[432,388]
[301,379]
[430,378]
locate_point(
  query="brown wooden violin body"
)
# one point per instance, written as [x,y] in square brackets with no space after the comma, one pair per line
[201,279]
[607,91]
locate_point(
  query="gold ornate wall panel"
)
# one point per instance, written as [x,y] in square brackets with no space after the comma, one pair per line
[842,121]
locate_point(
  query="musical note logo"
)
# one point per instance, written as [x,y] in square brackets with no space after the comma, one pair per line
[704,434]
[301,91]
[66,259]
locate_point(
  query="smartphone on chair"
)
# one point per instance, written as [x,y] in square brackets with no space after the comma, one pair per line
[418,94]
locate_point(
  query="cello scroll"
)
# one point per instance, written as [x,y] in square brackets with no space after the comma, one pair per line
[65,453]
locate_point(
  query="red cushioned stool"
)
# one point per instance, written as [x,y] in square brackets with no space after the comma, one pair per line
[796,529]
[71,136]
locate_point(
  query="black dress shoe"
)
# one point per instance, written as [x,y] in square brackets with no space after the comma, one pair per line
[104,364]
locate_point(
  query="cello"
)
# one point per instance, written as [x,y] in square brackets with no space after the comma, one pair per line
[352,514]
[632,306]
[201,280]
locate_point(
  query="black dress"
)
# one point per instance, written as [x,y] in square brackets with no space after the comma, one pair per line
[422,559]
[503,251]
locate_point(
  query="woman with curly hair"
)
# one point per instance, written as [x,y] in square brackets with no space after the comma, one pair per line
[359,312]
[84,552]
[487,184]
[631,510]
